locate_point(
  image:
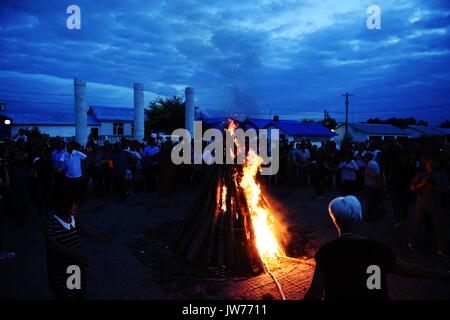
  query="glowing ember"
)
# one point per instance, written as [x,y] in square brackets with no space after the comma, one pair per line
[262,220]
[224,199]
[232,126]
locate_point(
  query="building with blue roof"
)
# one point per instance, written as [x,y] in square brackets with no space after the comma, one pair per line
[362,132]
[101,121]
[426,131]
[291,130]
[294,130]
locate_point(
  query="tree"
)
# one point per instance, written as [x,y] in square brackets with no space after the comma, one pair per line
[374,121]
[165,114]
[422,123]
[445,124]
[329,122]
[401,122]
[306,120]
[398,122]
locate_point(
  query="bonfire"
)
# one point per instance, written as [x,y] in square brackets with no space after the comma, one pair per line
[231,224]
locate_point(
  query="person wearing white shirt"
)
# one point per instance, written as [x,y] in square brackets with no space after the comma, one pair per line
[302,157]
[21,136]
[372,182]
[349,171]
[71,165]
[150,157]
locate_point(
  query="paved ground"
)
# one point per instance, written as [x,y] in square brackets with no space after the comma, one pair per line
[117,274]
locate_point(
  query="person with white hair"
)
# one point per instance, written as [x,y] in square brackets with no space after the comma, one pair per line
[353,266]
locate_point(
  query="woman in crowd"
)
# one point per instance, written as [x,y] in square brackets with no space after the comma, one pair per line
[355,267]
[349,171]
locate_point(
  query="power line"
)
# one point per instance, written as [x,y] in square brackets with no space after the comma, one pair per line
[297,109]
[40,102]
[37,93]
[60,94]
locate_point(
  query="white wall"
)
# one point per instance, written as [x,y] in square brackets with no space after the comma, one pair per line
[127,129]
[53,131]
[106,128]
[356,135]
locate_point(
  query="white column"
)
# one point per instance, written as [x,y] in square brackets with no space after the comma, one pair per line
[80,111]
[139,111]
[189,103]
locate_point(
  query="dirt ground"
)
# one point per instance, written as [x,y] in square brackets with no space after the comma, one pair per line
[132,265]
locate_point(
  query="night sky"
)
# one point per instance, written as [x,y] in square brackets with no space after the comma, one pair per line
[250,58]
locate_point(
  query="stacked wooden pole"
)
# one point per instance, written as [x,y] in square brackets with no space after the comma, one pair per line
[212,236]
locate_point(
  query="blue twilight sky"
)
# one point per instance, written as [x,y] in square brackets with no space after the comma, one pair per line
[250,58]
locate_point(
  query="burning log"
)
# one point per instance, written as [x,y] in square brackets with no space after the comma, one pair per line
[217,230]
[230,224]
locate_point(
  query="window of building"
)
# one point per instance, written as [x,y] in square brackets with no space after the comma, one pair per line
[118,128]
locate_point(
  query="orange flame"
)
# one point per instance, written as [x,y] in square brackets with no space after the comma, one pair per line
[232,126]
[262,219]
[224,199]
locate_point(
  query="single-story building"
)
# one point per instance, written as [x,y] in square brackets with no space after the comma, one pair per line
[102,122]
[425,131]
[294,130]
[362,132]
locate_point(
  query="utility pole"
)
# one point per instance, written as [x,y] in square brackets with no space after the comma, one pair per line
[346,95]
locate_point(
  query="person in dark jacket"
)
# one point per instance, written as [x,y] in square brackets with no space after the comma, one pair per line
[354,266]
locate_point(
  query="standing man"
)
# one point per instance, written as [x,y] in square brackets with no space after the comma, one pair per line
[57,154]
[372,183]
[151,160]
[4,191]
[21,136]
[301,159]
[71,165]
[400,176]
[430,185]
[349,171]
[120,158]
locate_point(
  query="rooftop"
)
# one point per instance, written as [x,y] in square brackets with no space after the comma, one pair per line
[104,113]
[293,127]
[95,115]
[378,129]
[426,131]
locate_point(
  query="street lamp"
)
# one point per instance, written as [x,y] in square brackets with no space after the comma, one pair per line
[7,122]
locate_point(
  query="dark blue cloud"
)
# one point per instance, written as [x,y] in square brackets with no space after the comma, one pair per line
[259,58]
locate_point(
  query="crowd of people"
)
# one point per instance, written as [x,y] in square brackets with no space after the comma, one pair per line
[410,173]
[41,170]
[47,179]
[51,174]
